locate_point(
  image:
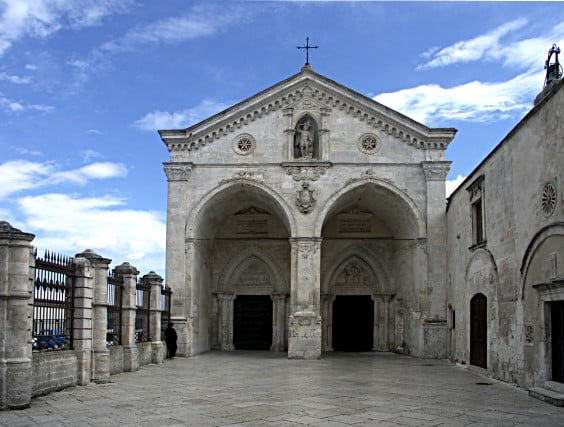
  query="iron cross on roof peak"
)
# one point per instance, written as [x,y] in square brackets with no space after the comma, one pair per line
[307,47]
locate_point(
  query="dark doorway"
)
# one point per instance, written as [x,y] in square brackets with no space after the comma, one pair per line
[353,323]
[478,331]
[557,332]
[252,326]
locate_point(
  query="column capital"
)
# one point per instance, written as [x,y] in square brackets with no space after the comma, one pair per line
[12,233]
[435,171]
[178,171]
[95,259]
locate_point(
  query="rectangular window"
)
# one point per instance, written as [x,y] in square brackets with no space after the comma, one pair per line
[476,190]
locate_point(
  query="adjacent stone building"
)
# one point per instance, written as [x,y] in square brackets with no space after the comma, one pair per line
[310,218]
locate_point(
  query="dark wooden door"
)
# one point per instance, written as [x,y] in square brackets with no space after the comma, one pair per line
[479,331]
[353,323]
[557,331]
[252,326]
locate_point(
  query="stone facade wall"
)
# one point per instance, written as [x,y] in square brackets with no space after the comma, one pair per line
[368,159]
[516,226]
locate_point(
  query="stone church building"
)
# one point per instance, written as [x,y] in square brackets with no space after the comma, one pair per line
[309,218]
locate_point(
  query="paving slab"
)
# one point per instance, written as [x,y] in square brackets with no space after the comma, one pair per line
[244,388]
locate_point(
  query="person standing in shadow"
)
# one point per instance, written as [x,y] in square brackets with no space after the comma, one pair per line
[170,338]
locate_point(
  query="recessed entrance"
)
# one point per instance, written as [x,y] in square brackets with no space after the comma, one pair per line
[478,331]
[557,332]
[353,323]
[252,326]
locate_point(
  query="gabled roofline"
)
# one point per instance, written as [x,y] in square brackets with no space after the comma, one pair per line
[385,118]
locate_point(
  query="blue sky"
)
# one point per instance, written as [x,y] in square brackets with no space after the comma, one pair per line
[85,84]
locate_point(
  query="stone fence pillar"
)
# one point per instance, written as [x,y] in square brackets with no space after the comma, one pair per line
[16,287]
[82,322]
[101,354]
[129,309]
[156,282]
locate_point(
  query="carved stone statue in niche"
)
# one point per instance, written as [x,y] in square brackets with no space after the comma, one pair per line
[306,140]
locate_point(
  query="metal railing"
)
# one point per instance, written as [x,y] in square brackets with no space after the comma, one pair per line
[115,291]
[142,300]
[53,308]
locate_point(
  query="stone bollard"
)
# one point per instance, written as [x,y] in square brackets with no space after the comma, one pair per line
[129,309]
[16,305]
[101,354]
[156,282]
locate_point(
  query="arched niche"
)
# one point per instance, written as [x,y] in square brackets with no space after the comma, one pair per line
[306,138]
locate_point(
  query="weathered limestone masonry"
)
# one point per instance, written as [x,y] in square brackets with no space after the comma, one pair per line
[297,204]
[24,373]
[16,283]
[506,252]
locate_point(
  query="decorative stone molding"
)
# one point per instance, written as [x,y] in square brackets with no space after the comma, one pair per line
[244,144]
[368,174]
[306,171]
[435,171]
[243,174]
[305,200]
[178,171]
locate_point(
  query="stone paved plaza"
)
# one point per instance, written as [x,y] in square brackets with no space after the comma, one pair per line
[266,389]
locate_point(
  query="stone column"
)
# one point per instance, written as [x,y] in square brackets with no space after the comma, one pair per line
[305,320]
[180,254]
[82,322]
[129,309]
[101,354]
[434,322]
[16,292]
[226,321]
[278,322]
[157,348]
[290,133]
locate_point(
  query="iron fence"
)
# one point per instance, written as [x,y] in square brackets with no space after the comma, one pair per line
[142,300]
[53,308]
[115,291]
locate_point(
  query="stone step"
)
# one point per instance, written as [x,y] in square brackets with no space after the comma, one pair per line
[554,386]
[549,396]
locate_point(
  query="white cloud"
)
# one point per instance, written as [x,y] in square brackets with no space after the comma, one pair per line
[20,175]
[18,80]
[41,18]
[453,184]
[179,119]
[201,21]
[474,101]
[471,50]
[71,224]
[12,106]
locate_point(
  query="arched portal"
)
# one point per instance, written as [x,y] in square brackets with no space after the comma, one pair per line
[372,240]
[241,259]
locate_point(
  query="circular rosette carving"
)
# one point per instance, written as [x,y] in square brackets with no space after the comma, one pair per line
[244,144]
[548,199]
[369,143]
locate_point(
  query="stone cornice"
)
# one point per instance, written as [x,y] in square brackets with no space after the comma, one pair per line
[308,87]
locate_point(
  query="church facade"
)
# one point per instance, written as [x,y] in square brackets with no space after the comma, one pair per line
[310,218]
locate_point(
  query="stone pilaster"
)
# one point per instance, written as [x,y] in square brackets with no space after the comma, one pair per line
[279,322]
[82,322]
[434,322]
[226,321]
[304,341]
[16,291]
[101,354]
[129,309]
[157,348]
